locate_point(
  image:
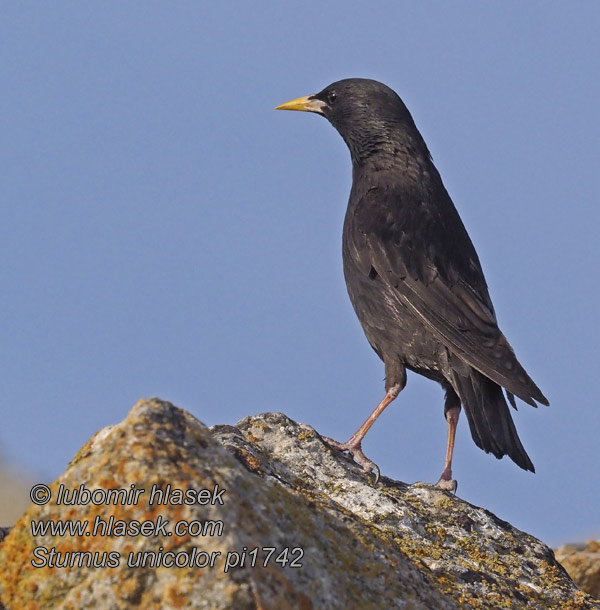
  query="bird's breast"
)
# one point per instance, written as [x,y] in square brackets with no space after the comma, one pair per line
[391,328]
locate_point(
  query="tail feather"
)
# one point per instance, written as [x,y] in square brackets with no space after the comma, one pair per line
[490,421]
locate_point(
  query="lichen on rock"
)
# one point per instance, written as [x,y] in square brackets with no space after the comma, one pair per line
[301,527]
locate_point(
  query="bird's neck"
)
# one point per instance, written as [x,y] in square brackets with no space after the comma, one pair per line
[385,149]
[374,147]
[401,165]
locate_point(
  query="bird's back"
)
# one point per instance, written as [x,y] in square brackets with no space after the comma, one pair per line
[415,279]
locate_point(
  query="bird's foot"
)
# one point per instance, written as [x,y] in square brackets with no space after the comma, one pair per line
[355,450]
[446,481]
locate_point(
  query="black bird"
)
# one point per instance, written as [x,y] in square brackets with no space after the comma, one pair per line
[414,278]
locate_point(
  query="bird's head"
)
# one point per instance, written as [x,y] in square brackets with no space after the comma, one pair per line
[370,116]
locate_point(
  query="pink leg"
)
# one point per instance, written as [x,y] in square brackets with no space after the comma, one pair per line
[354,444]
[446,481]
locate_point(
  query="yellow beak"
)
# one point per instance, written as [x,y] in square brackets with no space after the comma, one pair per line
[306,104]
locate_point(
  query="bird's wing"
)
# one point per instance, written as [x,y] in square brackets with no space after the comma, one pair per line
[428,259]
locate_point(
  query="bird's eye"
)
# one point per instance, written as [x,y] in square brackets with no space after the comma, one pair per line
[331,97]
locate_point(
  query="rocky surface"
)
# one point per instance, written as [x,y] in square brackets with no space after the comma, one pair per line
[582,562]
[302,528]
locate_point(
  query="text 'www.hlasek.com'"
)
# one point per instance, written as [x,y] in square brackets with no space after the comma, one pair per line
[109,519]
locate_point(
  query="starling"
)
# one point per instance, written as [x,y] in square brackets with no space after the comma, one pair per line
[414,278]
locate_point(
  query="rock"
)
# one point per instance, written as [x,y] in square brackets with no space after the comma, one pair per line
[302,528]
[582,562]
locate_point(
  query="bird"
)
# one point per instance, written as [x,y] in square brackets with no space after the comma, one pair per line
[414,278]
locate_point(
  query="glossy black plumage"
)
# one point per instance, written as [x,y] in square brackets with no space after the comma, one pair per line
[412,273]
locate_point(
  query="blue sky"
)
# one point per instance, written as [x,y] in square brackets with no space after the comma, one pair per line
[166,232]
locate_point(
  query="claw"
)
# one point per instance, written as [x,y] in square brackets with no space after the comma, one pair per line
[377,473]
[355,450]
[447,484]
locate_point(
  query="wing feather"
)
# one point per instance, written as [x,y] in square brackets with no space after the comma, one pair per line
[434,270]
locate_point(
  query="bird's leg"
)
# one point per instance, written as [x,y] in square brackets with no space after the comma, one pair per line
[451,411]
[354,444]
